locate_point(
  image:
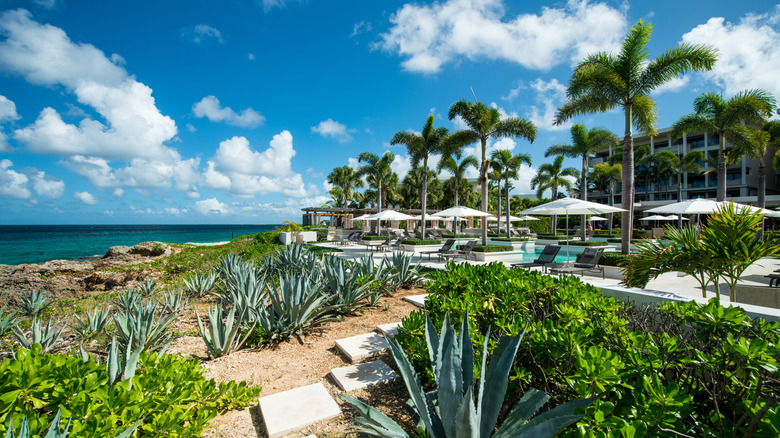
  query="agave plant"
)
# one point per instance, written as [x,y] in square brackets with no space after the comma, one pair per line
[200,283]
[296,259]
[46,335]
[121,364]
[54,429]
[365,267]
[173,302]
[228,265]
[7,321]
[451,411]
[93,323]
[33,303]
[294,306]
[148,287]
[342,286]
[244,290]
[223,338]
[404,273]
[144,328]
[127,300]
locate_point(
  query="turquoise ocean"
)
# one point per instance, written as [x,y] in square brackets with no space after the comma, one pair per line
[40,243]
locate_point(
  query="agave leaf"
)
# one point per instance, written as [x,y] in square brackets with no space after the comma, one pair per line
[466,422]
[450,383]
[481,382]
[54,429]
[375,422]
[432,340]
[496,381]
[550,423]
[467,351]
[532,401]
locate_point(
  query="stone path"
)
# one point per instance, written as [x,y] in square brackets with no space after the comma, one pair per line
[362,346]
[417,300]
[362,375]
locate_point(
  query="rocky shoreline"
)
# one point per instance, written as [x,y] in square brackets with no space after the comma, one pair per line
[74,280]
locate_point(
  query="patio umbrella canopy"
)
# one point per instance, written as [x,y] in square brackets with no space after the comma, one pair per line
[389,215]
[566,206]
[597,218]
[531,218]
[459,211]
[702,206]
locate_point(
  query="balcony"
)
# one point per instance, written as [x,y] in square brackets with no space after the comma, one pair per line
[593,161]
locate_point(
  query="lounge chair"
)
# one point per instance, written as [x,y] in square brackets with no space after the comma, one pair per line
[774,279]
[356,237]
[388,246]
[446,248]
[546,258]
[372,246]
[465,252]
[587,261]
[347,240]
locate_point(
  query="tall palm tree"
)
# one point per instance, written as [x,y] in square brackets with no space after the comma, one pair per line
[757,149]
[484,123]
[420,147]
[773,128]
[714,114]
[604,81]
[346,179]
[458,170]
[669,161]
[377,172]
[550,176]
[608,174]
[508,167]
[584,144]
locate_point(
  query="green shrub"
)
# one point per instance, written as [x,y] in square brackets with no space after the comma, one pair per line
[374,237]
[492,248]
[548,236]
[619,240]
[320,249]
[169,393]
[511,239]
[613,258]
[640,234]
[322,232]
[422,242]
[583,242]
[655,369]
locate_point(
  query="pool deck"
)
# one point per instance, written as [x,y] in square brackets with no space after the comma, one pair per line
[672,286]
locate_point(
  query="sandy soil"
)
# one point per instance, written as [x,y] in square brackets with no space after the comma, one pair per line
[291,364]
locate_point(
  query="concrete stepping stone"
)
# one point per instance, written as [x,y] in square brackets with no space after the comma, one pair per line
[389,330]
[362,346]
[292,410]
[417,300]
[362,375]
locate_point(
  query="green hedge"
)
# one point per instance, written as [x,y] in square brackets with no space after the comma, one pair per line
[511,239]
[550,236]
[321,249]
[613,258]
[583,243]
[422,242]
[492,248]
[374,238]
[322,232]
[619,240]
[654,369]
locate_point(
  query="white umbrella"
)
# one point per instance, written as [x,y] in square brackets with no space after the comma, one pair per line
[531,218]
[365,217]
[503,219]
[460,211]
[674,217]
[390,215]
[702,206]
[568,206]
[597,218]
[656,217]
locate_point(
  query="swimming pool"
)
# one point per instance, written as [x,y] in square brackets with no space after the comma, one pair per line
[529,256]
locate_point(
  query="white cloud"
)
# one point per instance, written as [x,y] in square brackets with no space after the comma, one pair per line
[353,163]
[46,4]
[44,55]
[201,33]
[748,55]
[13,185]
[190,127]
[118,192]
[672,85]
[550,95]
[139,174]
[250,56]
[210,108]
[7,110]
[362,27]
[86,198]
[401,165]
[333,129]
[270,4]
[48,187]
[244,172]
[211,206]
[431,36]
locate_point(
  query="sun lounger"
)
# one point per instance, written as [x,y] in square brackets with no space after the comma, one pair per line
[588,261]
[774,279]
[356,237]
[347,240]
[395,245]
[546,258]
[377,247]
[446,248]
[464,252]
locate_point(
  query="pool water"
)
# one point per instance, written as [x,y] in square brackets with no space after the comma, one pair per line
[529,256]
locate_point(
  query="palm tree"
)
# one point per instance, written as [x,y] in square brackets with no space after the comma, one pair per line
[377,172]
[605,81]
[507,167]
[458,170]
[773,128]
[670,162]
[756,148]
[584,143]
[550,176]
[606,174]
[346,179]
[485,122]
[726,118]
[420,147]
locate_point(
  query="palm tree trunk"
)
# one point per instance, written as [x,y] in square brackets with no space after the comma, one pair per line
[455,220]
[761,200]
[584,193]
[507,207]
[611,203]
[679,198]
[721,194]
[484,188]
[498,207]
[424,197]
[626,218]
[554,219]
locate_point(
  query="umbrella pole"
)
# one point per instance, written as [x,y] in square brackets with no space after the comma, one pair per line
[567,236]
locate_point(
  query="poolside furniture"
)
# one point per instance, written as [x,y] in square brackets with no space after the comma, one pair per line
[464,252]
[774,279]
[446,248]
[388,246]
[356,237]
[347,240]
[588,261]
[546,258]
[371,246]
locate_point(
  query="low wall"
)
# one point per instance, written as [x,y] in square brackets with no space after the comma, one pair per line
[758,295]
[287,237]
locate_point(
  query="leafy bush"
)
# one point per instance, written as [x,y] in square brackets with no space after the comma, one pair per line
[695,370]
[169,395]
[547,236]
[614,258]
[422,242]
[582,242]
[492,248]
[322,232]
[366,237]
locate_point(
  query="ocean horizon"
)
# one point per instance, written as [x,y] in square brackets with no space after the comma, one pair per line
[20,244]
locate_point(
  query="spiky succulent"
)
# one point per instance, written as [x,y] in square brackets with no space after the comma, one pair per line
[47,335]
[33,303]
[223,337]
[91,324]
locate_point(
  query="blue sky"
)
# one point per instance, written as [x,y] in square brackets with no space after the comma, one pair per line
[235,111]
